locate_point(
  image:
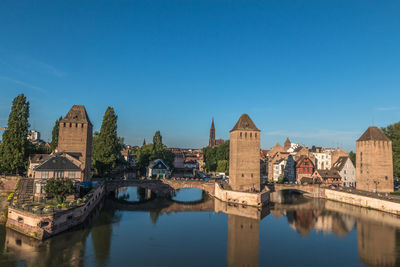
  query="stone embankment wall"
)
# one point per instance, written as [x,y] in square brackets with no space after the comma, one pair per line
[243,198]
[363,201]
[42,226]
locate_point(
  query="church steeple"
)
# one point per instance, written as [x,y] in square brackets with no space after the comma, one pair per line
[144,141]
[287,144]
[211,141]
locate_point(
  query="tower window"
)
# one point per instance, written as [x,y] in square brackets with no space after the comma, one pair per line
[240,134]
[251,135]
[255,135]
[245,135]
[242,174]
[70,124]
[82,125]
[64,124]
[76,125]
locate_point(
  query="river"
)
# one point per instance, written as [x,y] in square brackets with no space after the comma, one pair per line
[136,228]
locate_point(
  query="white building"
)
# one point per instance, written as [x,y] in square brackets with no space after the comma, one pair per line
[346,170]
[33,136]
[279,168]
[322,160]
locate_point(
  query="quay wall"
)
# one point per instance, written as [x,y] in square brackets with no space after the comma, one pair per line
[242,198]
[42,226]
[363,201]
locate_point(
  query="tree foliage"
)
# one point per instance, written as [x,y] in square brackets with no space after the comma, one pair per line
[352,157]
[217,158]
[60,188]
[106,145]
[393,133]
[14,148]
[54,134]
[150,152]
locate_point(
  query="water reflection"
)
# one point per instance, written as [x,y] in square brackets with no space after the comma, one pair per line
[136,223]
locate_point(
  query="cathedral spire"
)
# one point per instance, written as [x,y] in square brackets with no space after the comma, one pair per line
[211,141]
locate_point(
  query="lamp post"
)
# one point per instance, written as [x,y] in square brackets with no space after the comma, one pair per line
[376,186]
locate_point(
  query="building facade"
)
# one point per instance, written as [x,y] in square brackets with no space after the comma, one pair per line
[304,167]
[374,161]
[244,156]
[346,170]
[75,137]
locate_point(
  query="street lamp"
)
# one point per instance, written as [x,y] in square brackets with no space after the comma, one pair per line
[376,186]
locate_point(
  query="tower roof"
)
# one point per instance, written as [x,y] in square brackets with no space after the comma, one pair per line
[77,114]
[373,133]
[245,123]
[212,124]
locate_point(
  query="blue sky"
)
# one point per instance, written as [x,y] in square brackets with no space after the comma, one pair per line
[319,72]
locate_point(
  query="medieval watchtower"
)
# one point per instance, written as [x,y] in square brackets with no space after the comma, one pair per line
[374,161]
[244,155]
[75,138]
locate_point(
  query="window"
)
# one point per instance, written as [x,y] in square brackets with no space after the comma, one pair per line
[58,174]
[70,124]
[242,174]
[240,134]
[64,124]
[252,176]
[76,125]
[251,135]
[255,135]
[38,189]
[71,175]
[20,219]
[245,135]
[45,175]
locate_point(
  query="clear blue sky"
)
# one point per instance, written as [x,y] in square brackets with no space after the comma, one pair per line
[319,72]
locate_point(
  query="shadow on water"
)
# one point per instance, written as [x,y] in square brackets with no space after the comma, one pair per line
[376,236]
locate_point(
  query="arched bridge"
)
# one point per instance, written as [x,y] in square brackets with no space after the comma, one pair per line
[163,187]
[314,191]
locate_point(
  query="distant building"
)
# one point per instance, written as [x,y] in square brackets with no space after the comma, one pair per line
[279,167]
[290,170]
[33,136]
[346,170]
[58,165]
[158,169]
[34,161]
[329,177]
[304,167]
[287,145]
[212,142]
[126,154]
[336,154]
[244,156]
[374,161]
[75,137]
[322,160]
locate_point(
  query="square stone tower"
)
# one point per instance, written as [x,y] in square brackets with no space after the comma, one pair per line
[244,156]
[75,138]
[374,161]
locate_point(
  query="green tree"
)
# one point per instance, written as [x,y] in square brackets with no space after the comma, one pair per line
[393,133]
[213,156]
[106,146]
[14,148]
[54,134]
[223,166]
[352,157]
[154,151]
[60,188]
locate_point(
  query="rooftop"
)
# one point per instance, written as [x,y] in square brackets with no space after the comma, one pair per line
[373,133]
[245,124]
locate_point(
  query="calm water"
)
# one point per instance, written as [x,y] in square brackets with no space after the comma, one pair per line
[135,228]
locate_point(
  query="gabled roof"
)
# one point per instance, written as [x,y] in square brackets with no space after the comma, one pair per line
[77,114]
[38,158]
[340,163]
[303,158]
[245,124]
[157,161]
[373,133]
[57,163]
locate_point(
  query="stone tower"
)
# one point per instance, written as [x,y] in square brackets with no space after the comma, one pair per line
[211,142]
[75,138]
[244,156]
[374,161]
